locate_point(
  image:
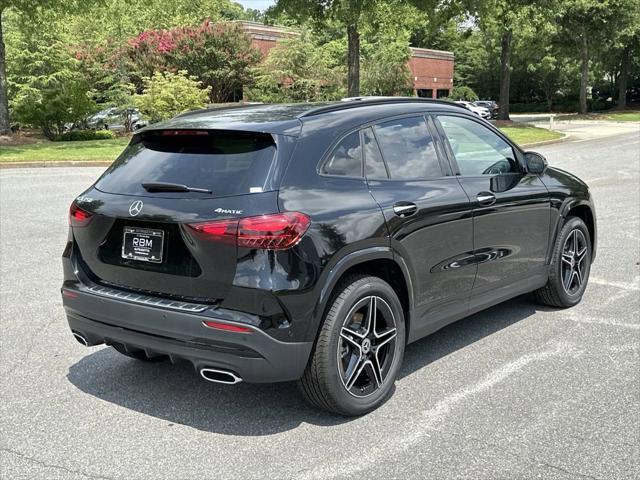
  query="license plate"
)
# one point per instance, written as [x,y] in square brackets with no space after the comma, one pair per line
[142,244]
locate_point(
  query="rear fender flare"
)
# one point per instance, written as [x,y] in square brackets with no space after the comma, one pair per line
[350,260]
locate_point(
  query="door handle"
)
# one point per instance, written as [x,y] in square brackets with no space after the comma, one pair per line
[486,198]
[404,209]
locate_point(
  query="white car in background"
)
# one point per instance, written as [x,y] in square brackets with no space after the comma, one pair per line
[480,111]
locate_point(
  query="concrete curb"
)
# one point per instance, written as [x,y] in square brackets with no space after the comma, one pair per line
[43,164]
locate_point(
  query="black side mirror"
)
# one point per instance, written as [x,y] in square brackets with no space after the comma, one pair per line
[535,162]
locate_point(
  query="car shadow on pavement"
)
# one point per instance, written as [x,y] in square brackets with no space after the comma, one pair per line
[176,394]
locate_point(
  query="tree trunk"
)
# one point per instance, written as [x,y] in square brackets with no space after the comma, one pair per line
[353,61]
[5,125]
[505,74]
[584,72]
[622,79]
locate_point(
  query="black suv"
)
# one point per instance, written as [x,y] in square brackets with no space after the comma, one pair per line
[312,242]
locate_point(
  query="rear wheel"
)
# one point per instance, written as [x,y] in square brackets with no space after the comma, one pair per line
[359,349]
[570,266]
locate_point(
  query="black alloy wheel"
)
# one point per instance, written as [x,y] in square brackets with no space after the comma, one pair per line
[367,346]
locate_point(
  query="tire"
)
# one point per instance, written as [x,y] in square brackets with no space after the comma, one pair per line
[138,354]
[565,290]
[353,367]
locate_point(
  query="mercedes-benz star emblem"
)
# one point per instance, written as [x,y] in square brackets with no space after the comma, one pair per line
[136,208]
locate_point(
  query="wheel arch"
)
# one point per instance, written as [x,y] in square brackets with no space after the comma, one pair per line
[376,261]
[583,210]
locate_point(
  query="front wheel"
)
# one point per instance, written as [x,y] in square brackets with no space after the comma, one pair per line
[570,266]
[359,349]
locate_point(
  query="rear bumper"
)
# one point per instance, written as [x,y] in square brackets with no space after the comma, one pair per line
[255,357]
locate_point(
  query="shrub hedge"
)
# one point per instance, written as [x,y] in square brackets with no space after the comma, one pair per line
[561,107]
[83,135]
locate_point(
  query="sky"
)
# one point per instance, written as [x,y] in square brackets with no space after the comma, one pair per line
[256,4]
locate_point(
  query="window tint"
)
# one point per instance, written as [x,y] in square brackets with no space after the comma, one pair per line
[227,163]
[374,165]
[478,150]
[346,158]
[407,148]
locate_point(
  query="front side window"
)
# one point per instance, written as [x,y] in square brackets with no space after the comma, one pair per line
[408,149]
[478,150]
[346,158]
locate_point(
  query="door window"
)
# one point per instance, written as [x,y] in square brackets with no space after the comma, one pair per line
[408,149]
[478,150]
[346,158]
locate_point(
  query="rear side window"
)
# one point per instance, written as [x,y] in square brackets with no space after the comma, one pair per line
[374,164]
[346,158]
[408,149]
[227,163]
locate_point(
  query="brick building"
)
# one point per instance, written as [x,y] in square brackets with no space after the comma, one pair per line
[431,70]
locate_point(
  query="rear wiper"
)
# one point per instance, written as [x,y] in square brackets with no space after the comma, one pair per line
[172,187]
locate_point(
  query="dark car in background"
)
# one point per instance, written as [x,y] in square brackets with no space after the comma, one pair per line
[313,242]
[489,105]
[117,119]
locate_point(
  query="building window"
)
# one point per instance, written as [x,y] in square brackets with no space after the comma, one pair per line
[425,92]
[442,92]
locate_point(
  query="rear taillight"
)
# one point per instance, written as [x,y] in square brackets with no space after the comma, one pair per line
[223,231]
[277,231]
[78,217]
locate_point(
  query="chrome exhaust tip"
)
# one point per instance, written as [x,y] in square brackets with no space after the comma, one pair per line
[81,339]
[219,376]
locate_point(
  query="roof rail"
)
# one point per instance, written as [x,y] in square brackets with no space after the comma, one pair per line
[353,102]
[227,106]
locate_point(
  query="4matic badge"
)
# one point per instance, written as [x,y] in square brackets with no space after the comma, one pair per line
[228,211]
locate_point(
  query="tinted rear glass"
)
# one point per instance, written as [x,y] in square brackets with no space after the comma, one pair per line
[227,163]
[346,158]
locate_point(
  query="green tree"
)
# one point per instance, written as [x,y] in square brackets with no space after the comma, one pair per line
[169,94]
[460,92]
[385,49]
[624,43]
[359,21]
[48,89]
[119,20]
[221,56]
[505,19]
[296,70]
[591,25]
[349,14]
[384,68]
[32,8]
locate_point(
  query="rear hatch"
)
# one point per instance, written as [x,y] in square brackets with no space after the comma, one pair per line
[140,229]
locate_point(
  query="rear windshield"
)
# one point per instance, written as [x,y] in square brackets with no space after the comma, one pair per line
[227,163]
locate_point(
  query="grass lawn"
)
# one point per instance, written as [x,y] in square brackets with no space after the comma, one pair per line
[93,150]
[524,135]
[624,116]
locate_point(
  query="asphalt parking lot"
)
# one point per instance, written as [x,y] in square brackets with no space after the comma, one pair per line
[517,391]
